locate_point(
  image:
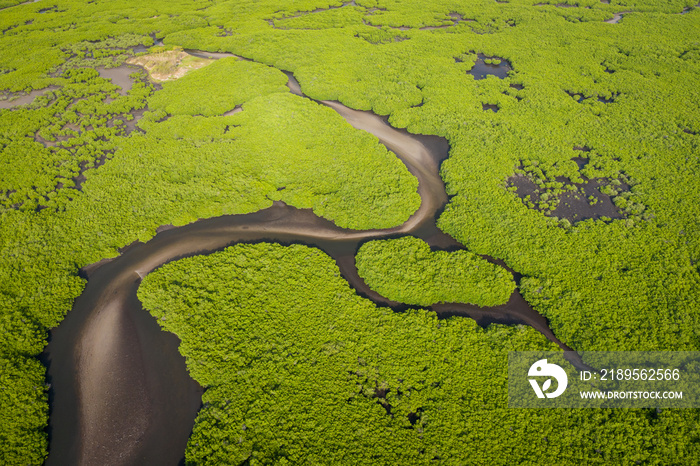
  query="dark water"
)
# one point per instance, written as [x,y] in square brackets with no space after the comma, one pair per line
[481,69]
[120,391]
[573,206]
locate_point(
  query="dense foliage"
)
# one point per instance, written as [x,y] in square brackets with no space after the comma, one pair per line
[300,370]
[78,178]
[407,271]
[235,82]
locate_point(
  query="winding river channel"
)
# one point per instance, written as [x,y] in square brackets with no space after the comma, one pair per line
[120,391]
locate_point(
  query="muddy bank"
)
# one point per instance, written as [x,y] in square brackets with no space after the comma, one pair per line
[120,395]
[17,99]
[121,76]
[586,201]
[120,390]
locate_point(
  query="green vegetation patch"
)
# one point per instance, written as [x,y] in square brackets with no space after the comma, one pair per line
[9,3]
[24,410]
[217,88]
[381,36]
[109,52]
[315,159]
[407,271]
[48,145]
[322,19]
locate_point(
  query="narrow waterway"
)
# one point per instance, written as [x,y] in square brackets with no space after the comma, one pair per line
[120,390]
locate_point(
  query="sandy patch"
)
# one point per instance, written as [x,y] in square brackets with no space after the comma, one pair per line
[170,64]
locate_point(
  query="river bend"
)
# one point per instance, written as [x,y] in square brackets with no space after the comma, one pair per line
[120,391]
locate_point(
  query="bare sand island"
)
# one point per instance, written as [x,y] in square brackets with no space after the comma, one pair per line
[121,393]
[169,65]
